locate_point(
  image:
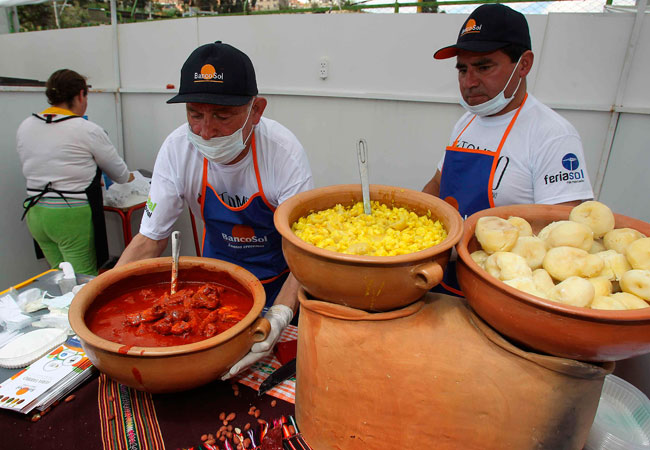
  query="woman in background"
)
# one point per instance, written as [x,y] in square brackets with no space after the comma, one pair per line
[62,157]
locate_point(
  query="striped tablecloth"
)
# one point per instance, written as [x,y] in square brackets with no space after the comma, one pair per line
[263,368]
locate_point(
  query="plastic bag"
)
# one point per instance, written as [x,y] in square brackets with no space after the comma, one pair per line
[128,194]
[10,313]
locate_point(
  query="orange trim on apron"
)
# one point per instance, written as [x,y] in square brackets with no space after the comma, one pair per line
[503,141]
[495,155]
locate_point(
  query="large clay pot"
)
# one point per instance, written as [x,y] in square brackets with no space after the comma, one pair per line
[372,283]
[434,376]
[546,326]
[177,368]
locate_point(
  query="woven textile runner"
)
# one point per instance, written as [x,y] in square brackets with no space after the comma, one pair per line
[266,366]
[127,418]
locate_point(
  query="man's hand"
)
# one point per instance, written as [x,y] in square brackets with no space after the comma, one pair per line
[279,317]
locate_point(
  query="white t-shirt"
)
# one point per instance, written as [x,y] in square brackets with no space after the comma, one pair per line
[66,153]
[542,160]
[177,176]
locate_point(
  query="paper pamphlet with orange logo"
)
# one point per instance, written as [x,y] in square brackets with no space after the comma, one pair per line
[47,379]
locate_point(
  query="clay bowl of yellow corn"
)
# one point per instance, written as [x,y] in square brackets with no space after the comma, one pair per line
[377,262]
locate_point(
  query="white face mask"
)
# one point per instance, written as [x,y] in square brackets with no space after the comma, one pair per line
[496,103]
[221,149]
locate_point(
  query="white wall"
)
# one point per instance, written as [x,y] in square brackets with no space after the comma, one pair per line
[383,86]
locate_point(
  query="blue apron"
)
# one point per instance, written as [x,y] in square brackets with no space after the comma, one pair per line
[466,183]
[245,235]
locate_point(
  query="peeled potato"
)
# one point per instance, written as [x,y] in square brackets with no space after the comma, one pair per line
[596,215]
[543,281]
[619,238]
[496,234]
[479,257]
[638,254]
[630,301]
[607,302]
[574,291]
[571,234]
[602,286]
[564,262]
[526,285]
[615,264]
[522,225]
[636,282]
[532,249]
[597,246]
[506,266]
[591,266]
[546,231]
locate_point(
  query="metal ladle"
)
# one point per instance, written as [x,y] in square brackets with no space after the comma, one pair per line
[362,155]
[176,251]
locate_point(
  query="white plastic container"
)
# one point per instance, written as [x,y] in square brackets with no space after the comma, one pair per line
[29,347]
[622,420]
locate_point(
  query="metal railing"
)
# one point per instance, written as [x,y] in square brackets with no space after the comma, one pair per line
[132,13]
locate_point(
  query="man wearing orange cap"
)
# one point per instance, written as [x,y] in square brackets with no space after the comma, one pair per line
[233,167]
[508,148]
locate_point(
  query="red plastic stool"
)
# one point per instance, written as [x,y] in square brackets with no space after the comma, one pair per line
[125,215]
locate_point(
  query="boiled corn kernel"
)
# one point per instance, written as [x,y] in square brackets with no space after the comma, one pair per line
[388,231]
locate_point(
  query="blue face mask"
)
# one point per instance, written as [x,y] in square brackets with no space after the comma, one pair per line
[496,103]
[221,149]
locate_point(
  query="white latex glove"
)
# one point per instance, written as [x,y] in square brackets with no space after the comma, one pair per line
[279,317]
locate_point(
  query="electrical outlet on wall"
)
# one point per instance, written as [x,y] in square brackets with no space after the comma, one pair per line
[323,68]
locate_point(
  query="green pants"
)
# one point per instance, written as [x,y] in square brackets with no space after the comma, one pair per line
[65,234]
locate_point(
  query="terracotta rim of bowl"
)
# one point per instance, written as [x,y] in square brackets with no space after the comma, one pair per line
[454,233]
[241,275]
[596,315]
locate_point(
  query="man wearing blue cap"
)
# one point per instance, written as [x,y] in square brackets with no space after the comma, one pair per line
[508,148]
[233,167]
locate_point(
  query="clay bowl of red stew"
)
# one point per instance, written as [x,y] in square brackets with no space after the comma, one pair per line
[557,329]
[137,333]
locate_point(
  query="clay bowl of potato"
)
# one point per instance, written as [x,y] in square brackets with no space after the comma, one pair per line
[567,318]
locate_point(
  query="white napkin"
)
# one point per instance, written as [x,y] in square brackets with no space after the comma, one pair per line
[11,315]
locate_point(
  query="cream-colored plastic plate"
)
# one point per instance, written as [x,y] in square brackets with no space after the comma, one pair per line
[29,347]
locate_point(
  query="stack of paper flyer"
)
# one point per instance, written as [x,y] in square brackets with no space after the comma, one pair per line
[48,379]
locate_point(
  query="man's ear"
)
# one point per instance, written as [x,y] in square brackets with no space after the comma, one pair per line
[259,105]
[526,65]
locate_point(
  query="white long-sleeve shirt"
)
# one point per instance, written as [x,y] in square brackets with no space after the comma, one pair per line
[67,154]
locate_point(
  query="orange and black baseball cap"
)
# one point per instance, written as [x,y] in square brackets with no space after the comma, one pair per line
[489,28]
[218,74]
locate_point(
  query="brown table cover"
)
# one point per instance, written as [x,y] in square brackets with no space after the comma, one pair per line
[106,415]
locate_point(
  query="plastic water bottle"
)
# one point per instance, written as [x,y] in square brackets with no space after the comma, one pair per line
[107,181]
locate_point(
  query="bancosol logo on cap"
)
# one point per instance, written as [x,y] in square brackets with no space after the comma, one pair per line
[208,73]
[471,27]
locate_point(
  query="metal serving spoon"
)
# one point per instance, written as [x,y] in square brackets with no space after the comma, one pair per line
[362,154]
[176,251]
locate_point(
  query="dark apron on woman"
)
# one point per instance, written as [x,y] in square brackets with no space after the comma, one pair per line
[466,183]
[95,200]
[245,235]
